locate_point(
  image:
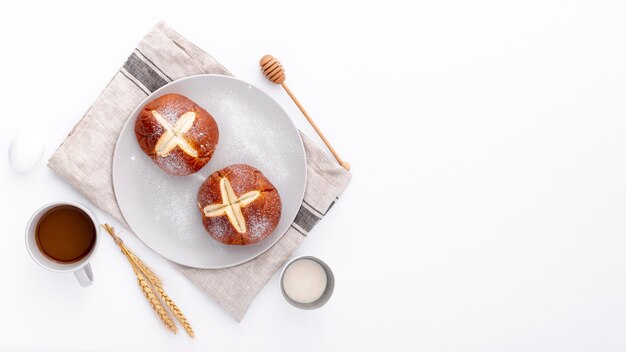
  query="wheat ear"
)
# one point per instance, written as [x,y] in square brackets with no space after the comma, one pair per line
[156,282]
[154,301]
[176,312]
[148,281]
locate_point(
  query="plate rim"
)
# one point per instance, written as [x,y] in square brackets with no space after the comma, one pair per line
[151,96]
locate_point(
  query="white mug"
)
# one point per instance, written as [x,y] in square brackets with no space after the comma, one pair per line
[82,268]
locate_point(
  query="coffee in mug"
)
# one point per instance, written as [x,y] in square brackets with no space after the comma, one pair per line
[65,234]
[62,237]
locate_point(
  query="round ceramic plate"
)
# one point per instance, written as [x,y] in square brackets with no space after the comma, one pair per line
[162,209]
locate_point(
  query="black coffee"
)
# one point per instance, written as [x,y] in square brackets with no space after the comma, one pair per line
[65,234]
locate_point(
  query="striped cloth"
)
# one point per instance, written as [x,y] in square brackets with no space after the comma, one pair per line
[161,57]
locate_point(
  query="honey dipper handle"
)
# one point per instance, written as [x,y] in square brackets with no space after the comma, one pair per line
[344,164]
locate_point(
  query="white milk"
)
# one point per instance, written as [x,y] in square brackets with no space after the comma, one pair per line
[304,281]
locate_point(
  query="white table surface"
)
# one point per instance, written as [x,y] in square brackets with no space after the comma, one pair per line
[486,212]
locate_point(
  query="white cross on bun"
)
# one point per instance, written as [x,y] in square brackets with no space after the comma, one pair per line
[177,134]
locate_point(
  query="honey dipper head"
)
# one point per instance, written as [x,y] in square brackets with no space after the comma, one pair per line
[272,69]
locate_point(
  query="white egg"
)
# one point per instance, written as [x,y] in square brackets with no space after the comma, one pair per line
[26,150]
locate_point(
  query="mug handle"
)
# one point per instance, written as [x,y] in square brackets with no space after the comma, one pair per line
[84,275]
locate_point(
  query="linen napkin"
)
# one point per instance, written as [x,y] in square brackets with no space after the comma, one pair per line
[161,57]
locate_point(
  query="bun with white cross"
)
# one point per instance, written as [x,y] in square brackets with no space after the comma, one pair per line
[177,134]
[239,205]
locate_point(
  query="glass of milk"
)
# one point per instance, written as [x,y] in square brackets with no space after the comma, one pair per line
[306,282]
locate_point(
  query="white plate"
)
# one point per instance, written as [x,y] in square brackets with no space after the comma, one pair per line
[162,209]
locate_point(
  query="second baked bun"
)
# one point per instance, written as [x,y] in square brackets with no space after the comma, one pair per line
[239,205]
[177,134]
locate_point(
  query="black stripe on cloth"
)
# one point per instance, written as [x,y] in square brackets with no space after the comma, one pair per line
[135,83]
[144,73]
[306,219]
[153,64]
[312,207]
[331,205]
[299,231]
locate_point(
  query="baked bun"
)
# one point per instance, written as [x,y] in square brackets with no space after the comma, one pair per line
[239,205]
[177,134]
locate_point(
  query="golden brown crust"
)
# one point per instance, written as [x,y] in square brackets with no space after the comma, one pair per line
[261,215]
[202,136]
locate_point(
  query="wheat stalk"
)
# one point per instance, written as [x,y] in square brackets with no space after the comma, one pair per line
[149,281]
[176,311]
[154,301]
[156,283]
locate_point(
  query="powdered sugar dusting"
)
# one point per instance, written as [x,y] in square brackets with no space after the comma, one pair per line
[219,229]
[173,204]
[257,226]
[174,162]
[245,125]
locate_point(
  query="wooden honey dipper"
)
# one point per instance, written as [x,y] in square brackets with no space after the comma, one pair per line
[275,72]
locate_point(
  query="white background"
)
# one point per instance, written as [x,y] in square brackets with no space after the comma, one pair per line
[486,212]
